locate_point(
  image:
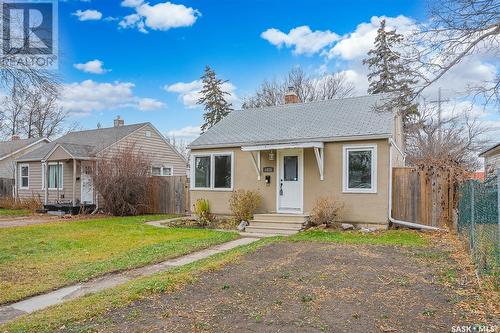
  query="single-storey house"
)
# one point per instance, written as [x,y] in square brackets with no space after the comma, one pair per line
[16,147]
[491,160]
[297,152]
[61,171]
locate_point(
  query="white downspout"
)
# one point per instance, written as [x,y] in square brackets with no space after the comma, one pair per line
[389,213]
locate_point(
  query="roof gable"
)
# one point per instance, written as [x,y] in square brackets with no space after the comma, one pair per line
[328,120]
[8,148]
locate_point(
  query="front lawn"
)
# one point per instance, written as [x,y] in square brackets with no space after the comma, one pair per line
[40,258]
[14,212]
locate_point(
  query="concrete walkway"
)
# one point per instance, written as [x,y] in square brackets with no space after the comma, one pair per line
[11,311]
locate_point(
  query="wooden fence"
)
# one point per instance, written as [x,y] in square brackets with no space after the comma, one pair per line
[6,187]
[168,195]
[422,197]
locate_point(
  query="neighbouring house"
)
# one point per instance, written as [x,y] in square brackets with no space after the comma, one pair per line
[61,171]
[295,153]
[491,160]
[16,147]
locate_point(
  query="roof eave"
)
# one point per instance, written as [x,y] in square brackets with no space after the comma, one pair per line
[273,142]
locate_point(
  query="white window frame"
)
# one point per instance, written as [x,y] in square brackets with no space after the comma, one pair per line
[212,172]
[345,171]
[162,168]
[21,166]
[62,176]
[167,167]
[147,133]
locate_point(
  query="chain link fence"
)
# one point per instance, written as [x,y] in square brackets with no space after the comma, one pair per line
[479,223]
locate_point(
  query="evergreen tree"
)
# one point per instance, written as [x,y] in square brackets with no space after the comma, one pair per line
[213,99]
[389,73]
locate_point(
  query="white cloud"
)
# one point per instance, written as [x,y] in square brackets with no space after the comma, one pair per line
[188,132]
[93,66]
[189,92]
[356,44]
[148,104]
[88,96]
[302,39]
[88,15]
[132,3]
[161,16]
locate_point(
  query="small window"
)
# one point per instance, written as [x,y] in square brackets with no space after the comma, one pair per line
[291,168]
[148,134]
[156,171]
[166,171]
[55,176]
[24,176]
[360,169]
[202,171]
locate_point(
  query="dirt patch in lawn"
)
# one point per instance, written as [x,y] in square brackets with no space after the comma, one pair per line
[310,287]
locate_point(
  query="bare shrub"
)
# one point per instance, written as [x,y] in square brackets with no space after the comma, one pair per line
[121,179]
[244,203]
[325,212]
[31,204]
[202,210]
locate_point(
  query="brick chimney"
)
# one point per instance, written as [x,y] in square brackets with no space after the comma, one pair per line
[291,96]
[119,122]
[15,138]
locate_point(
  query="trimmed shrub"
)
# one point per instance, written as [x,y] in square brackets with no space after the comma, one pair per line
[325,212]
[243,204]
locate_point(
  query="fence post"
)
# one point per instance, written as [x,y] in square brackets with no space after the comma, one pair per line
[498,205]
[472,217]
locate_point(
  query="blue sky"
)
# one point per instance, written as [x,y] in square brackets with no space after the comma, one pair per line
[145,66]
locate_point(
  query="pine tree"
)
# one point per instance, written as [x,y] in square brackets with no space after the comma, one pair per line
[389,73]
[213,99]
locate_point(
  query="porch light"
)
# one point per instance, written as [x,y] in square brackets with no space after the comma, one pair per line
[271,156]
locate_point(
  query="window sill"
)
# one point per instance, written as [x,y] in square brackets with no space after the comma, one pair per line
[211,189]
[359,191]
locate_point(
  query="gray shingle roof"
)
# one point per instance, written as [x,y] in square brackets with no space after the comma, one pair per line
[8,147]
[320,121]
[84,143]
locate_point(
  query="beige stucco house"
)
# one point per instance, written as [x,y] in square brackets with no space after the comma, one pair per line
[295,153]
[61,171]
[13,149]
[491,160]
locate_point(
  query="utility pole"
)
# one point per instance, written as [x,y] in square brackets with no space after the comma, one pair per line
[440,110]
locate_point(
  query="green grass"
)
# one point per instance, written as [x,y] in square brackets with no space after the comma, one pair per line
[14,212]
[39,258]
[390,237]
[72,314]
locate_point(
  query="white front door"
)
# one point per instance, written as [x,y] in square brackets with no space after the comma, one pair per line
[290,181]
[86,183]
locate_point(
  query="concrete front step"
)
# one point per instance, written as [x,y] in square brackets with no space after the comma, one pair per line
[271,230]
[277,224]
[289,218]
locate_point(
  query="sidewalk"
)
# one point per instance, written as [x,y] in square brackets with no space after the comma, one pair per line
[11,311]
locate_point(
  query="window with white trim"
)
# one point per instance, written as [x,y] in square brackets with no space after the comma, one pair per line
[162,171]
[24,176]
[55,173]
[360,169]
[212,171]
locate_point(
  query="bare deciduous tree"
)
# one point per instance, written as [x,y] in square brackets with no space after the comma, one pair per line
[458,29]
[123,186]
[13,108]
[449,144]
[308,88]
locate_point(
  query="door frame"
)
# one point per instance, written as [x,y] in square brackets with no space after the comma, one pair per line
[300,154]
[82,166]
